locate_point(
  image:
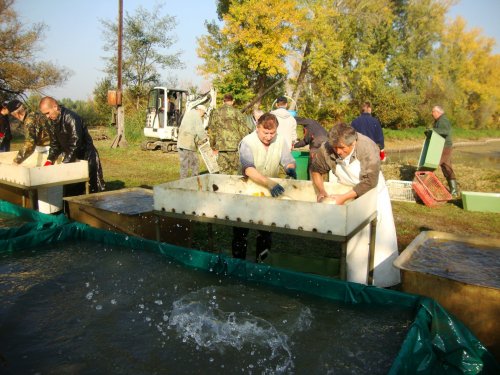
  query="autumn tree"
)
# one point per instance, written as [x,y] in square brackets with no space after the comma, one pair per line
[466,82]
[20,70]
[147,38]
[248,54]
[399,54]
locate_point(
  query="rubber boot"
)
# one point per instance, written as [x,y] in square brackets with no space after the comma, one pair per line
[239,243]
[453,188]
[263,242]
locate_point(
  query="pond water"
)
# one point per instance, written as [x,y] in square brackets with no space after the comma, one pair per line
[88,308]
[486,155]
[458,261]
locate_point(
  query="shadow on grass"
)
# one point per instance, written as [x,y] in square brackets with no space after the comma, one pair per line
[114,185]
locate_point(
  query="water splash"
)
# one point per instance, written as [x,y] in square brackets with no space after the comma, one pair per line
[198,319]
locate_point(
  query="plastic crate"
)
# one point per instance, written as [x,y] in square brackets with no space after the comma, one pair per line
[400,190]
[429,189]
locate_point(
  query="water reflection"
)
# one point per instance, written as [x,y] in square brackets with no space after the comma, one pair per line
[486,155]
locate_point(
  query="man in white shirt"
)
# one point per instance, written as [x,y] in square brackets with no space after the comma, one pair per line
[287,124]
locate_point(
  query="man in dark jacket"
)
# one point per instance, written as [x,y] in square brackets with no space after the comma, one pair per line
[69,136]
[314,136]
[5,134]
[368,125]
[442,126]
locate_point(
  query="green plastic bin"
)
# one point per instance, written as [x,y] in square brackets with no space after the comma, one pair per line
[302,160]
[431,152]
[481,202]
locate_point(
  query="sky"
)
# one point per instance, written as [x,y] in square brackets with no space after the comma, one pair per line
[74,36]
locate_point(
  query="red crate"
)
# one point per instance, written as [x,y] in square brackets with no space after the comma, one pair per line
[429,189]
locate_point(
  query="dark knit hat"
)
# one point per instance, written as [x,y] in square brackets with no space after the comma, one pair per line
[13,105]
[282,99]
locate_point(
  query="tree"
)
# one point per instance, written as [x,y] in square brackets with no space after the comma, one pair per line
[248,54]
[466,81]
[146,39]
[102,108]
[19,69]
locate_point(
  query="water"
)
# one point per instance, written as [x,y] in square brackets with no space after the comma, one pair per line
[457,261]
[486,155]
[126,202]
[88,308]
[11,221]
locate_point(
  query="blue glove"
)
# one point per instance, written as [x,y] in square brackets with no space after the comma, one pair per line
[291,172]
[277,190]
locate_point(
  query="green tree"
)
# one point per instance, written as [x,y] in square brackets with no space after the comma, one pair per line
[103,110]
[248,54]
[147,38]
[467,79]
[20,70]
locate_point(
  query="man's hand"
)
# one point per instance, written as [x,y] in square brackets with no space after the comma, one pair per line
[291,172]
[382,155]
[47,163]
[321,196]
[277,190]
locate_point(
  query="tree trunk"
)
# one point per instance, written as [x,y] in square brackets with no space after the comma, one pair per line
[302,74]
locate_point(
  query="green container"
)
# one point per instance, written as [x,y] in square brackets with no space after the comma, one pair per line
[431,152]
[302,160]
[482,202]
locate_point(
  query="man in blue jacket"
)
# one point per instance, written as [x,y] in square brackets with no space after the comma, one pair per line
[368,125]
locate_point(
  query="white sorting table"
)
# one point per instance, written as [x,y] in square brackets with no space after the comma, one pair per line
[237,201]
[31,175]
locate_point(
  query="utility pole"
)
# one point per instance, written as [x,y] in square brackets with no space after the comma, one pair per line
[119,140]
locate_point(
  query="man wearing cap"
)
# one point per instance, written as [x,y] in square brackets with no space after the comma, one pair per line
[69,136]
[287,127]
[191,132]
[5,134]
[36,135]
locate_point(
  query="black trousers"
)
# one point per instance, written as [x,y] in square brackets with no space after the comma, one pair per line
[239,245]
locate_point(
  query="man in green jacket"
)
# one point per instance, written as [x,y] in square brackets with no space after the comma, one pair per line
[35,130]
[442,126]
[226,130]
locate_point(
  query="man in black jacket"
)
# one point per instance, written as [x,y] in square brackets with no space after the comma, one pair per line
[314,136]
[69,136]
[5,134]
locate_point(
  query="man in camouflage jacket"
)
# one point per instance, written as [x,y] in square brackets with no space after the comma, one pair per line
[35,129]
[227,128]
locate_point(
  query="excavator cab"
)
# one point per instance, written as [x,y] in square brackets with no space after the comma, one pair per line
[165,110]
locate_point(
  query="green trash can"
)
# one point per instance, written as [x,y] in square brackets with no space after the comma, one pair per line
[302,159]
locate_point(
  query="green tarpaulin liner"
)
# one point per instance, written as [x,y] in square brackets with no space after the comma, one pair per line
[436,343]
[34,220]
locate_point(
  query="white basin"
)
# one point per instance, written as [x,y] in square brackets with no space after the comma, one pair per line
[234,199]
[31,172]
